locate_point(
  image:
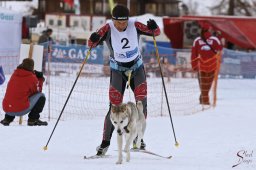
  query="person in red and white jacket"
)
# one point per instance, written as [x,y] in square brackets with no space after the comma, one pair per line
[204,61]
[24,95]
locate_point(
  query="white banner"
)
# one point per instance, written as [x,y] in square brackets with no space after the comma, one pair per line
[10,31]
[37,55]
[10,39]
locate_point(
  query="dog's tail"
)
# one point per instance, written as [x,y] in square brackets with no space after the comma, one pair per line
[140,107]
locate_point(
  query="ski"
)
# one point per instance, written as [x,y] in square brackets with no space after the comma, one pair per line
[151,153]
[132,150]
[96,156]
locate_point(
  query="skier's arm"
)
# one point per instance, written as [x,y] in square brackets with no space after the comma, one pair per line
[144,30]
[99,36]
[194,55]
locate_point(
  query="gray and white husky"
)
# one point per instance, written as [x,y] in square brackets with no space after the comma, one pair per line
[129,120]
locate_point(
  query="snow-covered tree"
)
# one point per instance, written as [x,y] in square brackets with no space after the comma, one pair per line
[235,7]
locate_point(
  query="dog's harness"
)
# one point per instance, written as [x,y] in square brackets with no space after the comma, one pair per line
[126,127]
[135,64]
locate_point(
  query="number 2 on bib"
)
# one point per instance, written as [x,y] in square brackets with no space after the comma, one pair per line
[125,41]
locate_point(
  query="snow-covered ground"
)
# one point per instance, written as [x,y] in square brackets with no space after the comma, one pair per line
[214,139]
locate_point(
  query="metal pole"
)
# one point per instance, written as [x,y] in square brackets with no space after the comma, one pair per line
[48,80]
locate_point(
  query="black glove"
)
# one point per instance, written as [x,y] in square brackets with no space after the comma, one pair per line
[151,24]
[95,37]
[39,74]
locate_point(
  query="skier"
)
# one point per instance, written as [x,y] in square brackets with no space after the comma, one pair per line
[122,38]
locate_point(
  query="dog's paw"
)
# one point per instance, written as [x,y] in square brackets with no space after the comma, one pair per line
[128,158]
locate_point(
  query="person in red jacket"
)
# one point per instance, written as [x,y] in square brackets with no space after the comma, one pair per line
[24,95]
[204,61]
[122,38]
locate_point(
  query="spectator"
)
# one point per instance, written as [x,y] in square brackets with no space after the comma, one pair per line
[167,69]
[45,37]
[204,61]
[46,40]
[25,29]
[24,95]
[151,67]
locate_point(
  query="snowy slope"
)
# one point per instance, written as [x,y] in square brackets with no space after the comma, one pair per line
[208,140]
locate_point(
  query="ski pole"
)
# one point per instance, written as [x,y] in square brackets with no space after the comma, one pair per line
[166,97]
[83,63]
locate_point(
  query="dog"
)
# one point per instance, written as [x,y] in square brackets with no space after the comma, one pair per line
[128,119]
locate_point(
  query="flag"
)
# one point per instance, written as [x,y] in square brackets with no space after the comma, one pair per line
[77,7]
[111,4]
[69,2]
